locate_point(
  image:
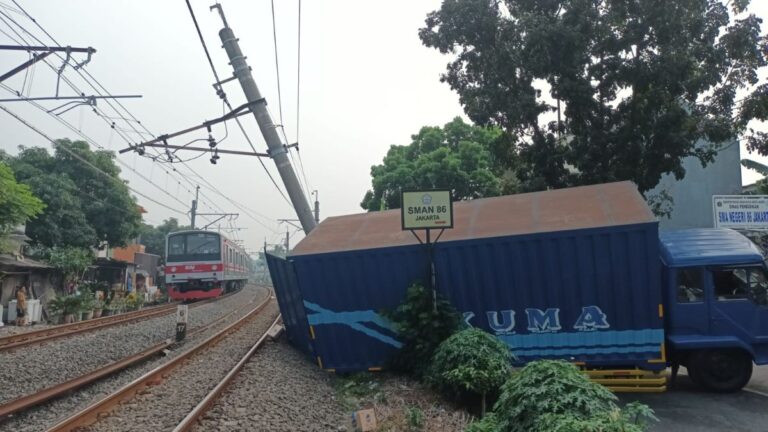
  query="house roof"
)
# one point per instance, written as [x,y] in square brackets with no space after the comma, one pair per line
[582,207]
[24,263]
[698,247]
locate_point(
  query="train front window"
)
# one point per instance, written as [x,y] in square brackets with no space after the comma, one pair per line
[194,247]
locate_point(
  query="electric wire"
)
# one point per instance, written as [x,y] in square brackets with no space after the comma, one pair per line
[76,156]
[226,101]
[132,117]
[91,84]
[277,67]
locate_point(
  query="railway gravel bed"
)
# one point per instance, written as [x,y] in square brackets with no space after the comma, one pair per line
[46,415]
[161,407]
[278,390]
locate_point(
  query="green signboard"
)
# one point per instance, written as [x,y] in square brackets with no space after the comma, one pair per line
[429,209]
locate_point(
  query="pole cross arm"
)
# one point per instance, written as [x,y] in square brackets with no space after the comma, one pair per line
[162,139]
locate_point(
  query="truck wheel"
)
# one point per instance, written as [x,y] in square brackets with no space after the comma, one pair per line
[721,371]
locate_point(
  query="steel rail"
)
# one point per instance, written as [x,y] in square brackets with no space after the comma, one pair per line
[37,336]
[91,413]
[64,330]
[198,411]
[28,401]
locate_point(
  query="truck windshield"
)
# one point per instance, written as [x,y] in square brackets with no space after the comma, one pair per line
[196,246]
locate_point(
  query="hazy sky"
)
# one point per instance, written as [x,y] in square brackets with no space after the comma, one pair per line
[366,83]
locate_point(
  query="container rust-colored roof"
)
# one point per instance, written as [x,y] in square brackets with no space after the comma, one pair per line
[609,204]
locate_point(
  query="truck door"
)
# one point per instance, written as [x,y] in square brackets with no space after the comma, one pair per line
[739,305]
[690,313]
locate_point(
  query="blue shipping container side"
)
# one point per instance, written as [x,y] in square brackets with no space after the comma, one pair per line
[591,295]
[344,295]
[571,274]
[289,300]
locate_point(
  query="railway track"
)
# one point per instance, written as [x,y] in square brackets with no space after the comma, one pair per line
[26,402]
[99,409]
[64,330]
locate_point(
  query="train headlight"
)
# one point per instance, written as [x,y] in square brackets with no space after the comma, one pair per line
[215,267]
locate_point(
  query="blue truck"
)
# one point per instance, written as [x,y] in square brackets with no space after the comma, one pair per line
[716,297]
[581,274]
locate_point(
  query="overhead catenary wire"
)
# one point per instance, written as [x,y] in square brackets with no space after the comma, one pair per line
[99,88]
[88,80]
[78,157]
[229,105]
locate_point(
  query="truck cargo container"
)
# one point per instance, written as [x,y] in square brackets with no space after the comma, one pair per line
[577,274]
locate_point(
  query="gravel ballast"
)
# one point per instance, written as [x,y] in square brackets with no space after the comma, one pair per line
[60,360]
[277,390]
[163,406]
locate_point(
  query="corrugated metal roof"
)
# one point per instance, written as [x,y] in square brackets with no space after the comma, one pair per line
[697,247]
[12,261]
[610,204]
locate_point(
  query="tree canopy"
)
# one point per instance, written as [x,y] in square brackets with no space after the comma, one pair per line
[596,90]
[84,208]
[461,157]
[17,202]
[153,238]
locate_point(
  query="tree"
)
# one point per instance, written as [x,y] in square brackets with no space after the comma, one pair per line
[463,158]
[17,202]
[84,208]
[154,237]
[762,169]
[71,261]
[599,90]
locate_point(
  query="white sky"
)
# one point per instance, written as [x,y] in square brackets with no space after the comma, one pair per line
[366,83]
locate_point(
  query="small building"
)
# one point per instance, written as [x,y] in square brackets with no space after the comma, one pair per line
[692,195]
[17,270]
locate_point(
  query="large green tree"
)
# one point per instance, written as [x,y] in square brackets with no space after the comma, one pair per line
[17,202]
[464,158]
[84,207]
[599,90]
[154,237]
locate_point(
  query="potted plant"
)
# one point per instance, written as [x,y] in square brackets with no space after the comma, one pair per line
[56,309]
[71,306]
[98,307]
[86,305]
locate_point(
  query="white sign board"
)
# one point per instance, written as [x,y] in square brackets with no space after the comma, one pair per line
[748,212]
[426,209]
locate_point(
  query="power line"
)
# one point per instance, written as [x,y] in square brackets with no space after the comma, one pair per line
[76,156]
[277,68]
[223,96]
[90,80]
[96,110]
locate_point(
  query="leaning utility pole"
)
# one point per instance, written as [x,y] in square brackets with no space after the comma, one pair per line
[194,206]
[277,150]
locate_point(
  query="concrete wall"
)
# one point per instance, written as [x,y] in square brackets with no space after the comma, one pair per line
[693,194]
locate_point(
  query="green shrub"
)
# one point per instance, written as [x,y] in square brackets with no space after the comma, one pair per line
[415,418]
[489,423]
[633,418]
[551,395]
[422,324]
[470,360]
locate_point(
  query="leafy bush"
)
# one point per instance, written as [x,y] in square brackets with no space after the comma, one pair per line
[555,396]
[633,418]
[489,423]
[415,418]
[422,324]
[65,305]
[470,360]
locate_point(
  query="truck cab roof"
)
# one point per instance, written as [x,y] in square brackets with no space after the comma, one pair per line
[707,246]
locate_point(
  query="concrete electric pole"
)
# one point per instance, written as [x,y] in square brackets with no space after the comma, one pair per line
[194,206]
[277,150]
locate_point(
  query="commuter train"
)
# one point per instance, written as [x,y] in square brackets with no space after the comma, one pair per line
[203,264]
